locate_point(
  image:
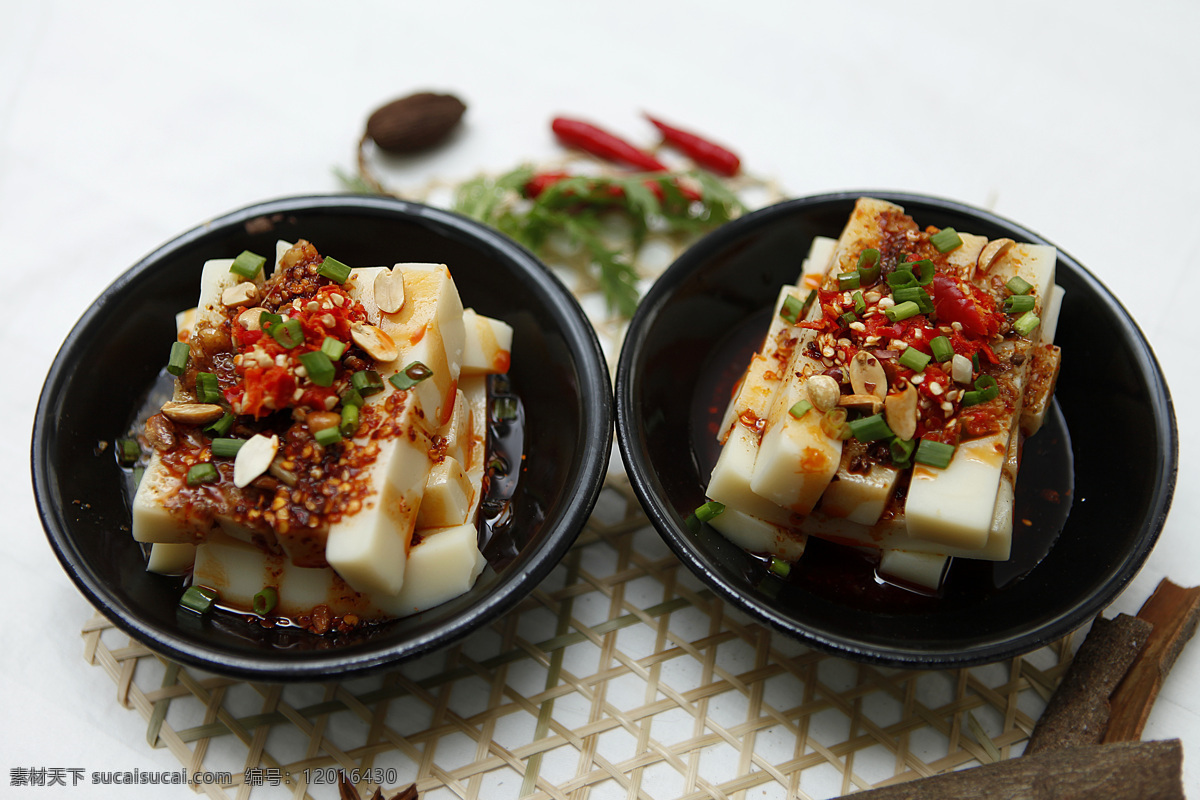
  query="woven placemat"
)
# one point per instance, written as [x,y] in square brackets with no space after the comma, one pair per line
[619,676]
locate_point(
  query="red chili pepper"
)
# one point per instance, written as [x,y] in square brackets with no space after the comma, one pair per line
[953,305]
[588,137]
[709,155]
[541,182]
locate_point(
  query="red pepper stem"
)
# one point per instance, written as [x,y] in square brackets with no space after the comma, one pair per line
[709,155]
[601,143]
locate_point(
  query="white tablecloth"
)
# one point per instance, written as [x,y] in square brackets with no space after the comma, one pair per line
[125,123]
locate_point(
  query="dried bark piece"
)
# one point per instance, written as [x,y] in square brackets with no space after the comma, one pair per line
[1124,771]
[1174,612]
[1078,713]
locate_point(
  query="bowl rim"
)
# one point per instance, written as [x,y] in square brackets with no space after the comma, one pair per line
[596,426]
[664,518]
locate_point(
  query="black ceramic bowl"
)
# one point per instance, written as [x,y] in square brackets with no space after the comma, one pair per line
[670,373]
[113,354]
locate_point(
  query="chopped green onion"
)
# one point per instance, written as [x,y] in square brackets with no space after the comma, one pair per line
[327,436]
[221,426]
[848,280]
[868,266]
[207,388]
[934,454]
[985,390]
[942,349]
[922,271]
[914,359]
[902,450]
[1018,285]
[288,334]
[902,311]
[779,567]
[265,601]
[128,451]
[505,408]
[1026,323]
[226,448]
[901,278]
[366,382]
[869,429]
[801,408]
[266,319]
[709,510]
[916,295]
[351,397]
[178,360]
[945,240]
[320,369]
[334,348]
[860,305]
[975,361]
[833,424]
[809,299]
[984,382]
[335,270]
[792,308]
[411,375]
[847,318]
[247,264]
[350,420]
[1018,304]
[199,599]
[202,473]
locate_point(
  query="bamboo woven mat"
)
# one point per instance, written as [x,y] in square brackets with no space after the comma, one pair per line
[620,676]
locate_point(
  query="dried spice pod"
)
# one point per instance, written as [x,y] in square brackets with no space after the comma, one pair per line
[414,122]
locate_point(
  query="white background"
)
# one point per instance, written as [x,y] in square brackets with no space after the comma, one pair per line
[123,124]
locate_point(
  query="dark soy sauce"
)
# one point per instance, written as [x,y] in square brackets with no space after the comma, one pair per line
[848,575]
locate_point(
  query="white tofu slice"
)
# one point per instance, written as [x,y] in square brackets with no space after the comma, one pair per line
[860,497]
[443,566]
[817,261]
[368,549]
[919,569]
[457,432]
[759,536]
[1039,392]
[447,497]
[1034,263]
[214,280]
[474,393]
[1050,312]
[730,480]
[154,520]
[796,459]
[185,321]
[962,260]
[171,559]
[954,506]
[487,345]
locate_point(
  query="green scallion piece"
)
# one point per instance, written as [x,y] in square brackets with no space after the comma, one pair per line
[924,270]
[410,376]
[1026,323]
[226,448]
[868,275]
[327,436]
[902,450]
[848,280]
[208,390]
[985,390]
[809,299]
[942,349]
[264,602]
[178,360]
[335,270]
[266,319]
[934,454]
[504,408]
[366,382]
[247,264]
[984,382]
[1018,304]
[792,309]
[801,408]
[860,305]
[334,348]
[902,311]
[128,451]
[351,397]
[945,240]
[1018,285]
[869,429]
[847,318]
[779,567]
[914,359]
[202,473]
[289,334]
[901,278]
[709,510]
[916,295]
[319,368]
[199,599]
[221,426]
[350,420]
[868,257]
[975,361]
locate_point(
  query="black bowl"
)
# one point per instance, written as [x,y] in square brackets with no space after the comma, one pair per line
[109,361]
[1123,481]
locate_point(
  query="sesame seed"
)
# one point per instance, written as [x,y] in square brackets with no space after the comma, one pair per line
[898,344]
[312,305]
[280,360]
[917,379]
[948,407]
[301,371]
[872,297]
[935,388]
[330,402]
[337,299]
[887,302]
[858,326]
[956,326]
[827,352]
